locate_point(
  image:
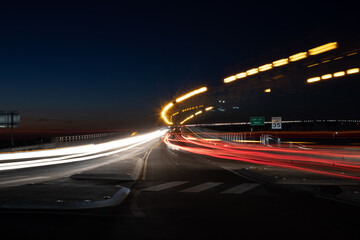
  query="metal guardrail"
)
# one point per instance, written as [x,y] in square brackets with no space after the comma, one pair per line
[241,137]
[84,137]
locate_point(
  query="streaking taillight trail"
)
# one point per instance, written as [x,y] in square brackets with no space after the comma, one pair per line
[332,162]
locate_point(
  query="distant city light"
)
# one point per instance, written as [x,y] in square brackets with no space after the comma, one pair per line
[323,48]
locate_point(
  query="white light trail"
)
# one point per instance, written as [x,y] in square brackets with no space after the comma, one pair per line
[74,155]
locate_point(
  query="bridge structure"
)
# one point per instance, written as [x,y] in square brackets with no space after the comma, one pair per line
[311,89]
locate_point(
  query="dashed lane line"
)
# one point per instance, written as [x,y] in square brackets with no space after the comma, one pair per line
[202,187]
[165,186]
[239,189]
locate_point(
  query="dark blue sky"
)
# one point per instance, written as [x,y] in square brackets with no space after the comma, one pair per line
[108,65]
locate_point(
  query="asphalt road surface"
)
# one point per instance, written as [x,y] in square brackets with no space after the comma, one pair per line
[185,196]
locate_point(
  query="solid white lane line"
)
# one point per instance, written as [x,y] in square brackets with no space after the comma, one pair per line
[241,188]
[202,187]
[21,180]
[145,160]
[146,157]
[165,186]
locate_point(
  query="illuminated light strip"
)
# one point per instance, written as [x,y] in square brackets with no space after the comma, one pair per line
[339,74]
[247,141]
[338,58]
[241,75]
[229,79]
[182,98]
[190,94]
[284,61]
[265,67]
[197,113]
[97,152]
[212,139]
[298,56]
[186,119]
[280,62]
[252,71]
[326,76]
[46,153]
[267,90]
[163,113]
[323,48]
[173,115]
[350,54]
[315,64]
[314,79]
[352,71]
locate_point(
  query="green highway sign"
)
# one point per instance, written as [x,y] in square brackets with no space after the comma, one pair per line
[257,121]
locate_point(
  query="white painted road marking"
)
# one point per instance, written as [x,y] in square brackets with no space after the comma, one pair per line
[239,189]
[202,187]
[165,186]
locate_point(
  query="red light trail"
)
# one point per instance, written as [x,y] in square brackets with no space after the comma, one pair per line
[330,162]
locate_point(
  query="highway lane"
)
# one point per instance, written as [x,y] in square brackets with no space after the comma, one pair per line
[188,196]
[26,169]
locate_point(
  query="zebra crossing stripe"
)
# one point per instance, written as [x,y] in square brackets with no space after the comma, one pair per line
[202,187]
[241,188]
[165,186]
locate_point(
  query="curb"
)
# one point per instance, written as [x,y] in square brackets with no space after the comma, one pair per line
[116,199]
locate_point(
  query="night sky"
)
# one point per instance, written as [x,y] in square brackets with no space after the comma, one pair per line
[112,65]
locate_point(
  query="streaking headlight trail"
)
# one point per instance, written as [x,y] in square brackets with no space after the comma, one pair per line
[74,154]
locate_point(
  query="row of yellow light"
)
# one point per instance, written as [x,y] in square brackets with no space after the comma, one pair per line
[284,61]
[190,94]
[329,75]
[191,108]
[180,99]
[197,113]
[328,60]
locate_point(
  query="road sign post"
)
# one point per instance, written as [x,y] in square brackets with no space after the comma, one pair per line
[257,121]
[10,119]
[276,123]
